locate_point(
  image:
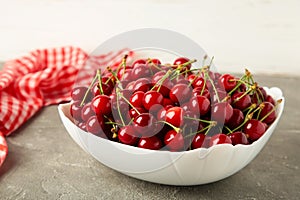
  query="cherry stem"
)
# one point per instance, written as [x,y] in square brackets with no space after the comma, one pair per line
[100,81]
[118,107]
[149,60]
[237,85]
[109,69]
[200,131]
[88,90]
[245,93]
[174,127]
[247,118]
[212,84]
[122,96]
[274,108]
[160,82]
[200,120]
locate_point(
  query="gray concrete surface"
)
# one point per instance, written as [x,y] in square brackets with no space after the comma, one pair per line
[44,163]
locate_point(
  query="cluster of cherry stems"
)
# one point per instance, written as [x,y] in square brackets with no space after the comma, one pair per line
[172,106]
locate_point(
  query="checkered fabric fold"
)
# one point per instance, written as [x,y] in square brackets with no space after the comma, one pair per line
[44,77]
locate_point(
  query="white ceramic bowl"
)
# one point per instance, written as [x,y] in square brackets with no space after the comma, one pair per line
[193,167]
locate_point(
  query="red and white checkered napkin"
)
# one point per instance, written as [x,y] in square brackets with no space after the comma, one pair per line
[42,78]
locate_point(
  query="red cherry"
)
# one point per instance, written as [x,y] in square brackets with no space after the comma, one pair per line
[95,125]
[75,110]
[161,114]
[127,75]
[182,60]
[153,143]
[154,61]
[198,91]
[222,112]
[254,129]
[145,124]
[174,141]
[87,111]
[162,86]
[136,99]
[270,99]
[142,84]
[174,116]
[151,99]
[82,126]
[167,102]
[219,139]
[199,104]
[122,71]
[126,135]
[140,71]
[180,93]
[138,62]
[240,103]
[227,81]
[269,110]
[78,93]
[198,141]
[236,119]
[133,112]
[199,83]
[238,138]
[105,87]
[101,105]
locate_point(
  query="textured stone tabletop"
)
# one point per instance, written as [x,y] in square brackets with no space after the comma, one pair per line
[44,163]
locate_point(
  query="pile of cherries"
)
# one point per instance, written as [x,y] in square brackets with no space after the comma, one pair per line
[173,107]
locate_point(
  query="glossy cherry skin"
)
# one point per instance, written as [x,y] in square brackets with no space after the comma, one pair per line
[133,112]
[236,119]
[78,93]
[199,83]
[174,116]
[222,94]
[153,143]
[151,99]
[182,60]
[105,87]
[199,104]
[270,99]
[198,91]
[138,62]
[101,105]
[136,99]
[75,110]
[240,103]
[174,141]
[95,125]
[198,141]
[269,110]
[167,102]
[87,111]
[140,71]
[254,129]
[227,81]
[164,86]
[126,135]
[154,61]
[82,126]
[145,124]
[180,93]
[238,138]
[142,84]
[222,112]
[219,139]
[122,70]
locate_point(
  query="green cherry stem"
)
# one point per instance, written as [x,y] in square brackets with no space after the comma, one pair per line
[100,81]
[247,118]
[200,120]
[118,106]
[274,108]
[88,90]
[122,96]
[174,127]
